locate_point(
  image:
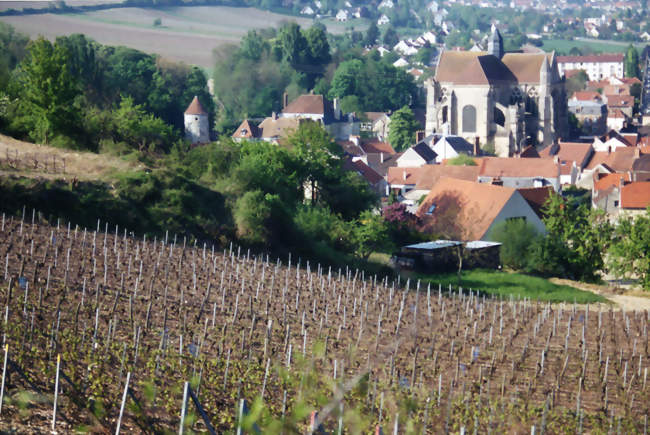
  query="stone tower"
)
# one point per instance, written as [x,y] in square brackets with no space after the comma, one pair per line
[545,104]
[495,43]
[196,123]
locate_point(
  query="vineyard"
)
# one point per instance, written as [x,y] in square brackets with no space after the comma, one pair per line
[105,332]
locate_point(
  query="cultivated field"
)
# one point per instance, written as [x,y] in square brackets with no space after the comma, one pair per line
[133,319]
[187,34]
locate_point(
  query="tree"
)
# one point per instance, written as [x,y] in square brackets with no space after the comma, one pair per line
[319,48]
[253,213]
[402,128]
[370,234]
[140,129]
[516,236]
[48,91]
[293,45]
[390,37]
[631,62]
[371,35]
[579,235]
[253,45]
[157,22]
[629,253]
[577,82]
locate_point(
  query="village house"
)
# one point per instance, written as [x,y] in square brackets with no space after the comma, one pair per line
[466,210]
[573,157]
[597,66]
[517,172]
[416,156]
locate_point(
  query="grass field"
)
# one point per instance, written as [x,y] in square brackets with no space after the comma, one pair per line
[187,34]
[563,46]
[519,285]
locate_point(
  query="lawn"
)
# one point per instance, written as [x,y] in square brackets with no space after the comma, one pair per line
[563,46]
[505,284]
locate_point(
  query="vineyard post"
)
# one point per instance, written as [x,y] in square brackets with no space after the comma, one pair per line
[184,408]
[4,373]
[126,390]
[56,390]
[396,426]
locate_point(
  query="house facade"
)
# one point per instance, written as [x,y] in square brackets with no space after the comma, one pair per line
[597,66]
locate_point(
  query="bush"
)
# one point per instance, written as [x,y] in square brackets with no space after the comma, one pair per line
[516,236]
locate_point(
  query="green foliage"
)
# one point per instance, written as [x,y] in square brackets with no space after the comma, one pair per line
[629,253]
[631,62]
[12,51]
[371,34]
[254,212]
[577,82]
[370,234]
[390,37]
[136,127]
[516,237]
[403,126]
[462,159]
[47,91]
[157,22]
[577,237]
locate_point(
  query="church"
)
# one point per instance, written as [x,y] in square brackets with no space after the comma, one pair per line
[506,101]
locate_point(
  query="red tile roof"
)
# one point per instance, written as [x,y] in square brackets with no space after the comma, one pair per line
[195,108]
[620,160]
[536,197]
[430,174]
[401,176]
[516,167]
[463,209]
[636,195]
[586,96]
[309,103]
[605,181]
[246,130]
[568,151]
[620,100]
[377,147]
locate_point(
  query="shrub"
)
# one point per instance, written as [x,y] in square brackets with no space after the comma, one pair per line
[516,236]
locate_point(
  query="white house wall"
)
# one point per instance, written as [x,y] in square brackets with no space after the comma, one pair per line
[516,207]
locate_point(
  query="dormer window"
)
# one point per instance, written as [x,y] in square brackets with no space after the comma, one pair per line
[431,209]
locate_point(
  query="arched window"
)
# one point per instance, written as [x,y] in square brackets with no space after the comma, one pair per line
[499,117]
[444,114]
[469,119]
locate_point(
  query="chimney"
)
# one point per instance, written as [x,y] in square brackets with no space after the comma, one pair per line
[556,159]
[404,174]
[285,100]
[381,157]
[477,146]
[419,136]
[354,139]
[609,149]
[637,152]
[274,116]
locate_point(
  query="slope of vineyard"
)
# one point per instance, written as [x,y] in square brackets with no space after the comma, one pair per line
[291,337]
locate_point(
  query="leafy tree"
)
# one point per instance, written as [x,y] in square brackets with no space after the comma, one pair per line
[140,129]
[12,51]
[403,126]
[348,79]
[578,234]
[253,45]
[48,91]
[293,44]
[516,237]
[390,37]
[631,62]
[371,35]
[577,82]
[462,160]
[319,48]
[370,234]
[629,254]
[254,213]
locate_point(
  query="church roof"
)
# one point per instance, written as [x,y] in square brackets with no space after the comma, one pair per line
[472,68]
[195,108]
[525,66]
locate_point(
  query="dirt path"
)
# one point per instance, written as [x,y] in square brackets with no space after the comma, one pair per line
[625,300]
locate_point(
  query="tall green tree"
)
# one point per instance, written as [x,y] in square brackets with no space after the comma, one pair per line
[390,37]
[631,62]
[319,47]
[402,128]
[293,44]
[48,91]
[371,34]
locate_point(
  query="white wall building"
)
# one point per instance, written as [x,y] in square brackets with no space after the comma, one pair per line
[597,67]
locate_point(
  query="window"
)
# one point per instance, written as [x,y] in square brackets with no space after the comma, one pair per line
[469,119]
[431,209]
[615,203]
[444,114]
[499,117]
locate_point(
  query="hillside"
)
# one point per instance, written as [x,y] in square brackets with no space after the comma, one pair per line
[238,326]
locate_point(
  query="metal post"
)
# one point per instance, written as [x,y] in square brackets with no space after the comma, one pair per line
[184,408]
[126,390]
[56,390]
[4,373]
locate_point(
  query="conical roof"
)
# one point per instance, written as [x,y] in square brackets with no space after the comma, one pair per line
[195,108]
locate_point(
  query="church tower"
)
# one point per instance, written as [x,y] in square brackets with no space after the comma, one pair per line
[495,43]
[196,123]
[545,104]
